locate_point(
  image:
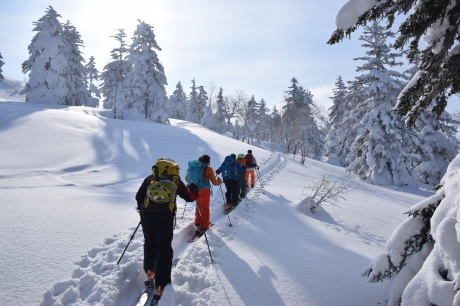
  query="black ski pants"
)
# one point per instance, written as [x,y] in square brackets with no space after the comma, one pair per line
[158,254]
[232,193]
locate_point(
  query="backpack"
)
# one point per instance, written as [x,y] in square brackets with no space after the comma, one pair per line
[228,168]
[163,186]
[195,173]
[249,160]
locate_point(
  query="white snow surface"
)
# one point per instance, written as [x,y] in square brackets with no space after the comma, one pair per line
[68,176]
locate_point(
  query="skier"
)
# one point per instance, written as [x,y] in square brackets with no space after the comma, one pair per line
[229,170]
[202,211]
[157,221]
[242,176]
[251,165]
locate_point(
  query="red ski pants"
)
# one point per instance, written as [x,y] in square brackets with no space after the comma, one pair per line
[203,202]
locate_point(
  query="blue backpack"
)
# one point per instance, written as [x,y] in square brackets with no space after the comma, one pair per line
[228,169]
[195,173]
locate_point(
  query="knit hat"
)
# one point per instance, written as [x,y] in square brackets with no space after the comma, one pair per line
[233,155]
[205,159]
[240,155]
[250,151]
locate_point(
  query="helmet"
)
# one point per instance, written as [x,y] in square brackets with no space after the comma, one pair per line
[240,155]
[162,191]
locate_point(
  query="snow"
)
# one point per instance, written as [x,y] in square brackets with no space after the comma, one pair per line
[350,12]
[68,179]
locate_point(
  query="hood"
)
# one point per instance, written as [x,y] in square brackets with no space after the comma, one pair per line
[228,160]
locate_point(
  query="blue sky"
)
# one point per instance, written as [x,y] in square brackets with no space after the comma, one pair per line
[255,46]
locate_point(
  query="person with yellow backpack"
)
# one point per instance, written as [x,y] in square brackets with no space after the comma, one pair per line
[156,203]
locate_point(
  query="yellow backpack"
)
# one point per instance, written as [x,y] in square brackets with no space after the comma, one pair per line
[163,186]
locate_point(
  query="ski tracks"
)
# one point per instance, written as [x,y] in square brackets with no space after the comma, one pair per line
[195,280]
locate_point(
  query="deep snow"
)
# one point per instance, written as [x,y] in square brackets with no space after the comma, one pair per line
[68,176]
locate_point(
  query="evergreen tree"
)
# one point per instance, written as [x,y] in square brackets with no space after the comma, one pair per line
[113,75]
[208,120]
[75,72]
[47,65]
[381,149]
[336,135]
[202,101]
[300,130]
[144,85]
[263,122]
[220,124]
[421,256]
[194,113]
[437,22]
[92,74]
[275,128]
[178,103]
[1,69]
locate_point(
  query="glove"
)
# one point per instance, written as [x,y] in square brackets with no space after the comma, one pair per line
[193,187]
[219,180]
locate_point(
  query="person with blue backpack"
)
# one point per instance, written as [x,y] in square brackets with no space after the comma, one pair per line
[229,169]
[200,172]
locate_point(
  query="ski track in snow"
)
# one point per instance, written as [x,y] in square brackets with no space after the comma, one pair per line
[98,280]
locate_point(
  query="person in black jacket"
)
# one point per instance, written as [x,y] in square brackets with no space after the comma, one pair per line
[158,225]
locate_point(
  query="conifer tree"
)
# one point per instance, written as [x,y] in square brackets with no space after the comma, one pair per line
[275,128]
[336,135]
[75,72]
[113,75]
[194,111]
[144,85]
[263,122]
[178,103]
[437,22]
[92,74]
[381,149]
[1,67]
[220,123]
[421,256]
[47,64]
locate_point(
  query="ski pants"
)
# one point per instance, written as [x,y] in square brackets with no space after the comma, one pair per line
[158,253]
[232,192]
[242,184]
[203,203]
[250,177]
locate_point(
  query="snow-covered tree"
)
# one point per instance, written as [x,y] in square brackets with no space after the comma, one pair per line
[275,128]
[382,147]
[178,103]
[208,118]
[113,75]
[144,85]
[263,122]
[202,101]
[92,74]
[300,131]
[75,72]
[220,123]
[336,135]
[47,65]
[1,67]
[421,256]
[437,23]
[194,113]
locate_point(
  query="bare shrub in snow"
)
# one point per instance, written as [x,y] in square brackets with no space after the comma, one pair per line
[326,191]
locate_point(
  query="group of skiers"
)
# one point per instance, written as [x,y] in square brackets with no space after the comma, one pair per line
[156,203]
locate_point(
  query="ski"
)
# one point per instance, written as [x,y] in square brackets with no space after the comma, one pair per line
[196,237]
[146,296]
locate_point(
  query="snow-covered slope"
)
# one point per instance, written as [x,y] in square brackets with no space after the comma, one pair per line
[68,179]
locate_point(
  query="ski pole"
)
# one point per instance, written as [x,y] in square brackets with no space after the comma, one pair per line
[184,210]
[132,236]
[260,178]
[205,236]
[225,205]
